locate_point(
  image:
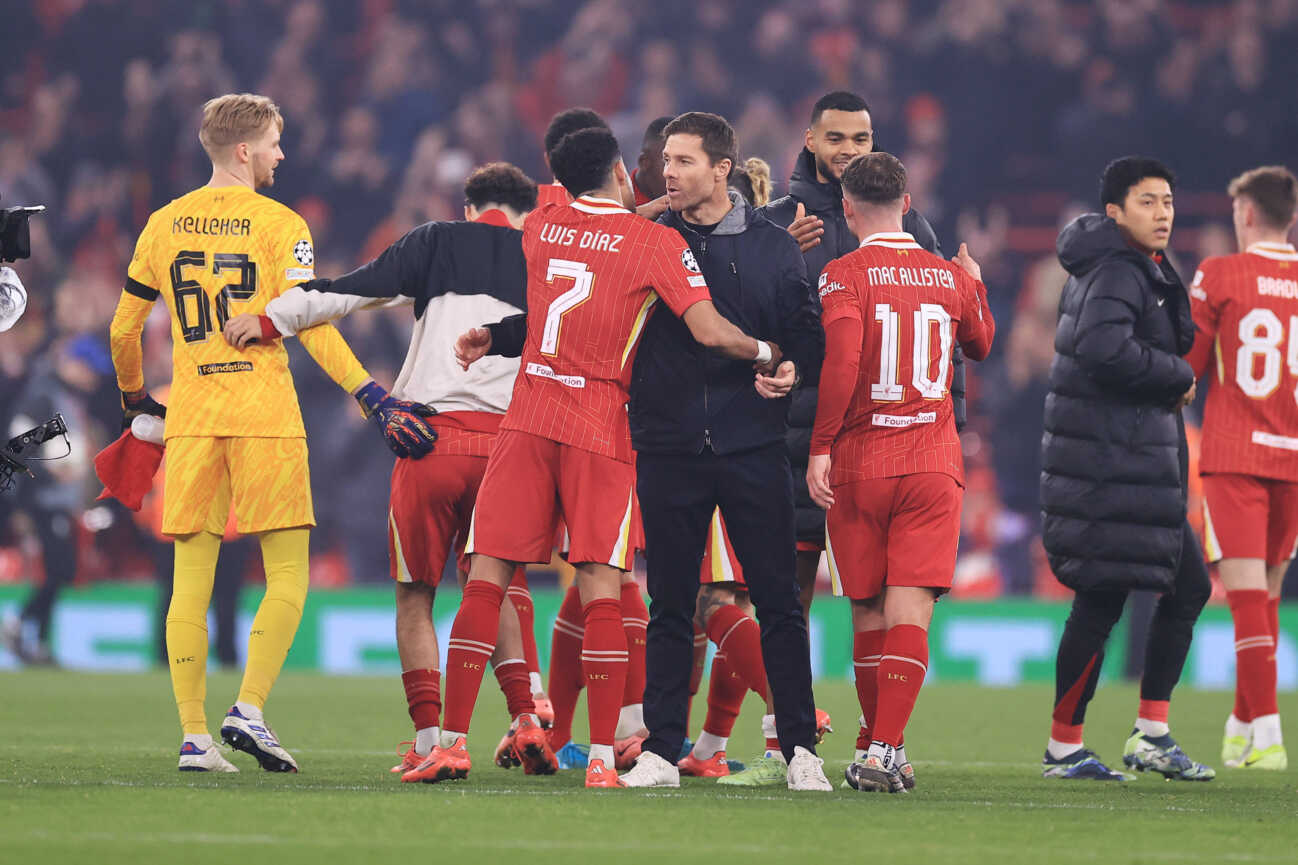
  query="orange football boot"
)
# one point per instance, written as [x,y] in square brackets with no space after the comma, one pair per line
[713,767]
[544,709]
[506,757]
[409,759]
[626,751]
[599,776]
[532,748]
[442,764]
[822,725]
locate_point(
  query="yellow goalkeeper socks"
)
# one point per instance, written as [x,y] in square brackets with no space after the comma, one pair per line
[195,569]
[285,555]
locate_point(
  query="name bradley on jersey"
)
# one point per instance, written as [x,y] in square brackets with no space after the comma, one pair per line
[600,241]
[211,226]
[1270,286]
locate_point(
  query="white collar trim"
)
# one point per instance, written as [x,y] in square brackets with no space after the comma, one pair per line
[597,205]
[891,240]
[1274,251]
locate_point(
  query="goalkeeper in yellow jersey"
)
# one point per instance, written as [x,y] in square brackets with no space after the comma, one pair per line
[234,433]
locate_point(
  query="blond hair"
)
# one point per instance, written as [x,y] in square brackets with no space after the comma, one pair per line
[759,175]
[236,117]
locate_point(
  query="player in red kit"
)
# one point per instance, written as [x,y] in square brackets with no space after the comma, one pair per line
[595,272]
[885,458]
[1246,314]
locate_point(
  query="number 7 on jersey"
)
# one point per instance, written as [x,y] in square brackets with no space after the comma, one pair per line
[582,282]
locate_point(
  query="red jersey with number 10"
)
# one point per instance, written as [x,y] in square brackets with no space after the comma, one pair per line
[910,305]
[1246,311]
[594,274]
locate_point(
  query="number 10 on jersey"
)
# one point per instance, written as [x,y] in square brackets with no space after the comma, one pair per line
[887,388]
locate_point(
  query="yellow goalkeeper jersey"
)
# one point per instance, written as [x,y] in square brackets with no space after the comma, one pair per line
[213,254]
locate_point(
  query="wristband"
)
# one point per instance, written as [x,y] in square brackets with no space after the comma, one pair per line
[763,352]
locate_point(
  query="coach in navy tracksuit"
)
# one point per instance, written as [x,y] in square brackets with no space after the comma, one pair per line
[705,437]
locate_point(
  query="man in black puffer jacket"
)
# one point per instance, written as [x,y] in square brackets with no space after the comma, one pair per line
[840,131]
[1114,465]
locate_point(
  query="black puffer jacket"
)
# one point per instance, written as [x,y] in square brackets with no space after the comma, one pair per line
[826,201]
[1113,456]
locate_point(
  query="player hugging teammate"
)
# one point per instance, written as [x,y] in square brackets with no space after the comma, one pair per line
[493,458]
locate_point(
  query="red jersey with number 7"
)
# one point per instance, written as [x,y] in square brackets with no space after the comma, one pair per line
[1246,312]
[884,406]
[595,272]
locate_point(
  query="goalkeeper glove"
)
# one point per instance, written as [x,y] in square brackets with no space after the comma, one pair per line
[138,403]
[401,421]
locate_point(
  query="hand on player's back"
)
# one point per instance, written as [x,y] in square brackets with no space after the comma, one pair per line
[242,330]
[472,345]
[806,230]
[966,262]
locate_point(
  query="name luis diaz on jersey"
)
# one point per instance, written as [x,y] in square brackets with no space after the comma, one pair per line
[600,241]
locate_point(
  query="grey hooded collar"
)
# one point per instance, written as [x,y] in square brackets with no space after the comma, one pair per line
[734,222]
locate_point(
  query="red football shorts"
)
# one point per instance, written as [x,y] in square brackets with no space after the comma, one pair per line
[1247,517]
[430,510]
[720,565]
[901,531]
[531,481]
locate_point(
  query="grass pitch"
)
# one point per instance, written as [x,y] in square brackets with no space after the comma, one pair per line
[88,774]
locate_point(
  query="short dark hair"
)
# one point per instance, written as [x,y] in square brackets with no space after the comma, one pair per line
[875,178]
[1273,189]
[500,183]
[718,135]
[570,120]
[653,133]
[839,100]
[1122,174]
[582,160]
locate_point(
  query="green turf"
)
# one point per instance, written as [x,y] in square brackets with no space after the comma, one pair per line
[88,774]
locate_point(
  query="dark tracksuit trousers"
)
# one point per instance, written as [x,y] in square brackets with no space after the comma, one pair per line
[754,489]
[1094,613]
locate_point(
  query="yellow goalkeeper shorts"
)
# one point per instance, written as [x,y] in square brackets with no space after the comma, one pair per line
[267,479]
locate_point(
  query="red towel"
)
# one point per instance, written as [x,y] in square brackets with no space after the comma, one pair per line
[126,469]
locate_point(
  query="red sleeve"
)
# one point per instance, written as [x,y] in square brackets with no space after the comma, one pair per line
[843,337]
[838,295]
[677,278]
[1207,313]
[977,328]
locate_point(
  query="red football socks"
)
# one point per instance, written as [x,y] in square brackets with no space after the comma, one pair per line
[423,697]
[604,660]
[867,648]
[516,685]
[473,639]
[726,692]
[521,598]
[635,623]
[901,673]
[740,639]
[566,679]
[1255,673]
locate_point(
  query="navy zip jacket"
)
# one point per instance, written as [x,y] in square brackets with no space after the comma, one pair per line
[685,398]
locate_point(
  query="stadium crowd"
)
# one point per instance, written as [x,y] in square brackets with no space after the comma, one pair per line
[388,105]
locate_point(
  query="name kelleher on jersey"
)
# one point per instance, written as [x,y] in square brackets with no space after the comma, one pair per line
[212,226]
